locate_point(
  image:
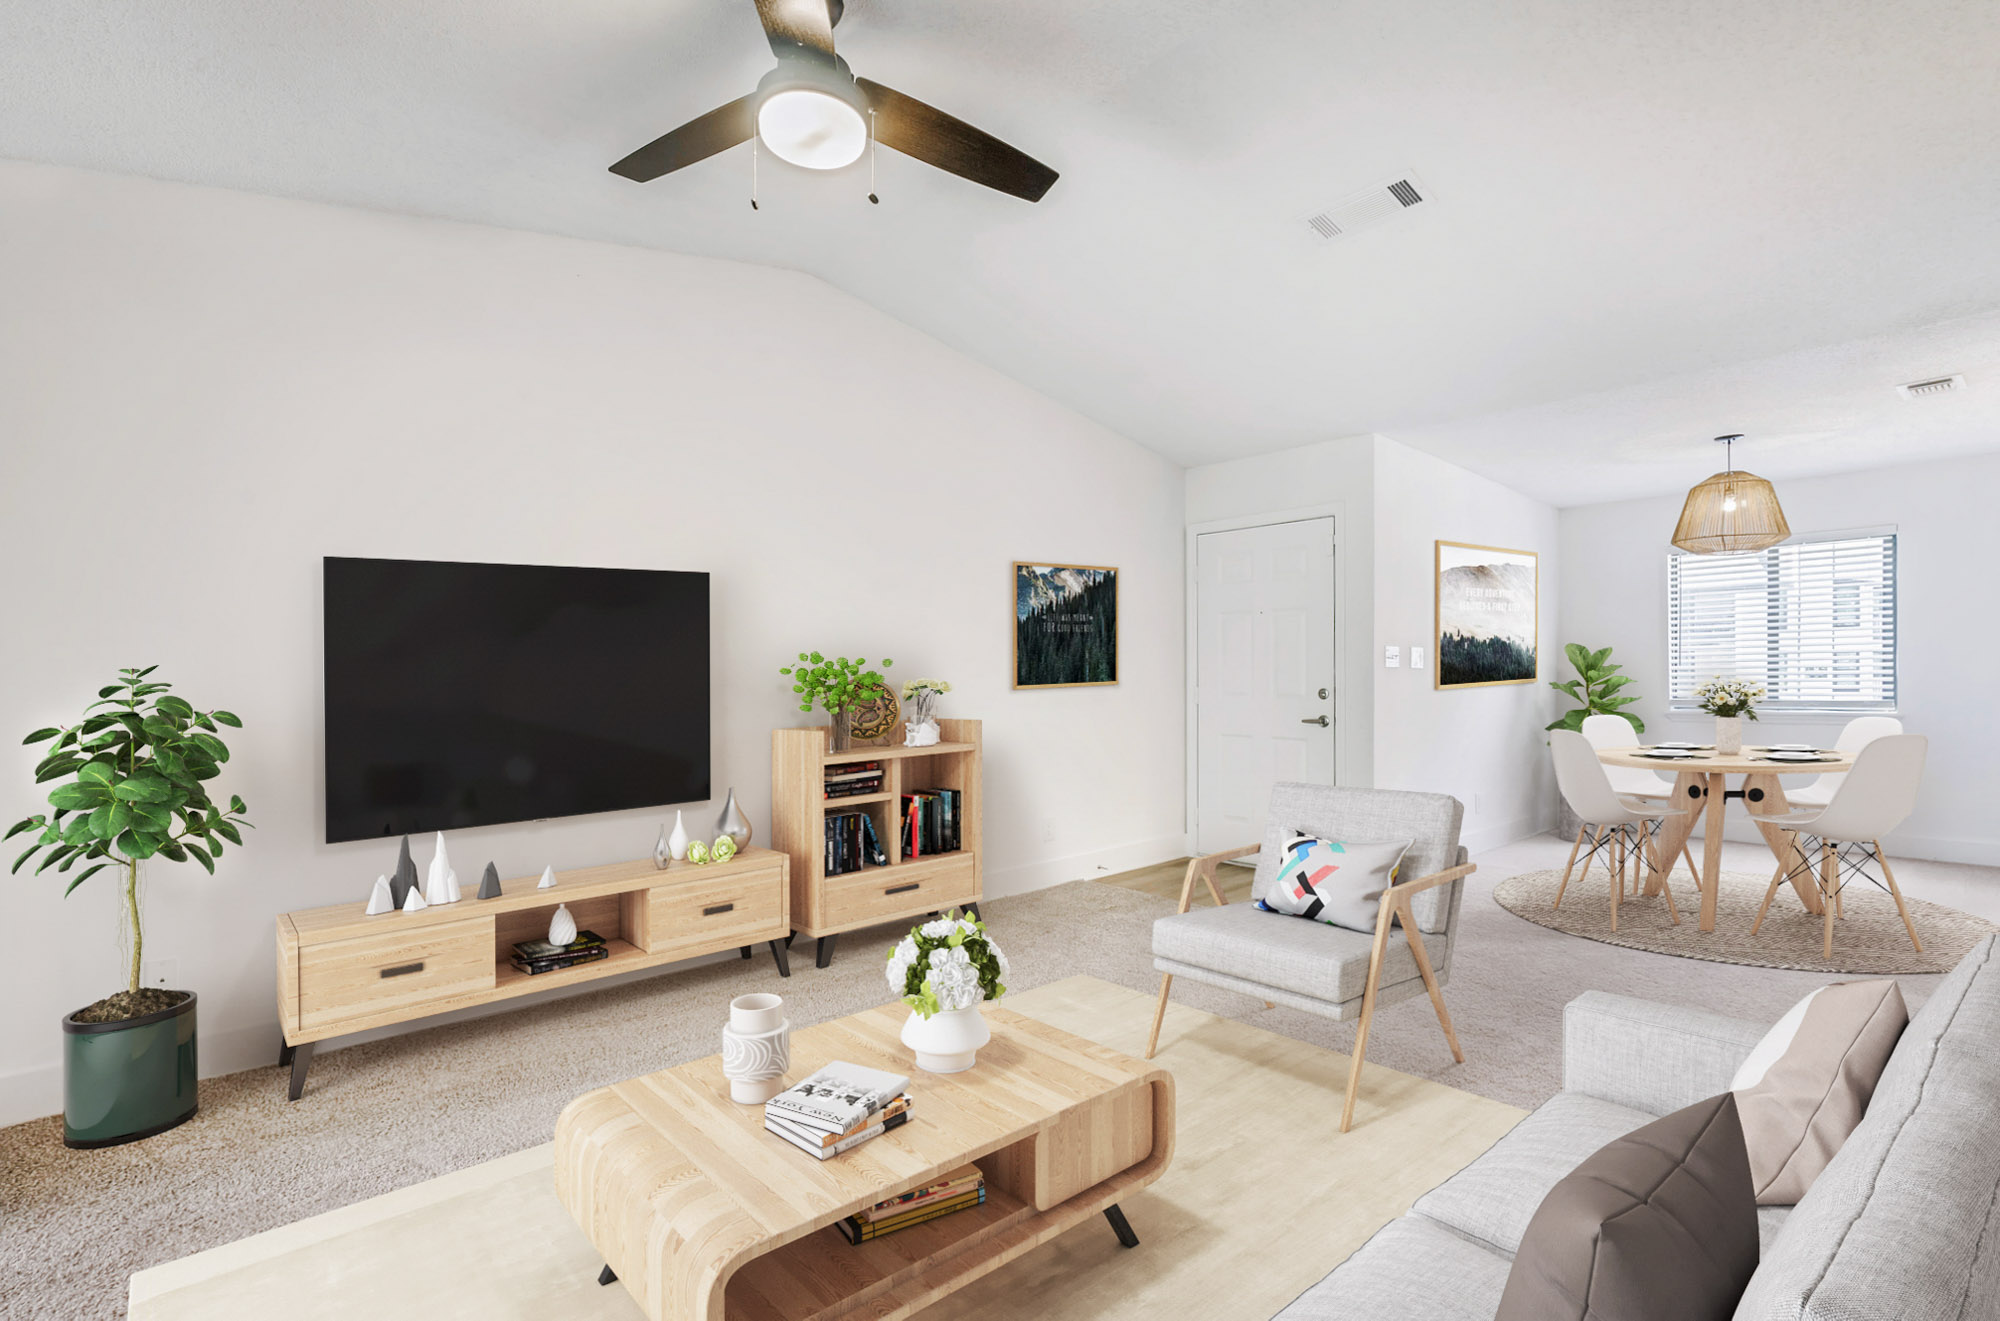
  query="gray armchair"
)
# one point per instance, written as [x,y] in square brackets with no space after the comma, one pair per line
[1327,970]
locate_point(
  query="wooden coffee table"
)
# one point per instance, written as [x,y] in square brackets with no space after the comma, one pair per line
[703,1216]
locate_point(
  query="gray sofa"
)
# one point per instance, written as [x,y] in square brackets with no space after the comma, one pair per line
[1904,1224]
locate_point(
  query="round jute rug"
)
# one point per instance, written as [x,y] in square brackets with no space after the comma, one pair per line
[1868,939]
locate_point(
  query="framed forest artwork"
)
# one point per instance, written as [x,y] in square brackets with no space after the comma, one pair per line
[1065,625]
[1486,615]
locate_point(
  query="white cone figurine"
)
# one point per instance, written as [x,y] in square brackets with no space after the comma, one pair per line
[548,881]
[380,900]
[441,885]
[677,843]
[414,902]
[562,927]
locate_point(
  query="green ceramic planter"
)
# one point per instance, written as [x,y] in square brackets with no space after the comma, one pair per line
[130,1080]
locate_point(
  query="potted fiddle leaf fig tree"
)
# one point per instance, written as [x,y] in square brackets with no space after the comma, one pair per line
[131,783]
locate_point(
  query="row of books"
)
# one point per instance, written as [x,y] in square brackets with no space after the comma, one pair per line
[960,1190]
[850,779]
[838,1108]
[931,821]
[851,843]
[539,956]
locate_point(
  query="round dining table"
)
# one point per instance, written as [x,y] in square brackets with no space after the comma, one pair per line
[1701,790]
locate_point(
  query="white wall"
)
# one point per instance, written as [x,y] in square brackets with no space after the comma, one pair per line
[202,393]
[1948,630]
[1483,745]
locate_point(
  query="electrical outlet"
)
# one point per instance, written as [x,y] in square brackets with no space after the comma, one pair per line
[162,973]
[1048,832]
[1479,802]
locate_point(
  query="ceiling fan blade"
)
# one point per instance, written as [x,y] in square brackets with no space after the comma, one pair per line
[935,138]
[797,25]
[698,139]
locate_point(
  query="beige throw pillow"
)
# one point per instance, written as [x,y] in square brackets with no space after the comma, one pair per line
[1807,1084]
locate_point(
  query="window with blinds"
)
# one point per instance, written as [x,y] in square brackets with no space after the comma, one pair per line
[1813,621]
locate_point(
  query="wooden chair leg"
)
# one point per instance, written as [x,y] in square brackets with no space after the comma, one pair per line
[1571,864]
[1777,879]
[1687,855]
[1159,1015]
[1382,925]
[1586,863]
[1829,883]
[1423,959]
[1897,895]
[1618,881]
[1208,875]
[1666,889]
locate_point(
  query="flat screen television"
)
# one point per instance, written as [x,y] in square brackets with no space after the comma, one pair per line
[472,694]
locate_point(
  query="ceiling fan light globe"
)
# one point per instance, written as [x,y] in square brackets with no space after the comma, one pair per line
[811,128]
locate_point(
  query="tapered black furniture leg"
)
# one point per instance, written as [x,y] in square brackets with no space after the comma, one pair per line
[784,959]
[824,959]
[285,1049]
[302,1058]
[1121,1227]
[746,951]
[607,1276]
[974,910]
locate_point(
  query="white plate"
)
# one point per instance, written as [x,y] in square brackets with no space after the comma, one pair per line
[1671,754]
[1776,755]
[1689,746]
[1791,747]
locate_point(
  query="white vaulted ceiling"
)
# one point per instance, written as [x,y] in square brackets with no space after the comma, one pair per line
[1620,193]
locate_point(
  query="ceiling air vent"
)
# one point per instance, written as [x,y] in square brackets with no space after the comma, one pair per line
[1936,385]
[1367,208]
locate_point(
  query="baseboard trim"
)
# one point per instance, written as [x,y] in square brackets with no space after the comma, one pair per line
[1083,866]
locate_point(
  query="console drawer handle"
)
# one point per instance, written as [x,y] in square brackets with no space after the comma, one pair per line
[902,889]
[402,969]
[719,908]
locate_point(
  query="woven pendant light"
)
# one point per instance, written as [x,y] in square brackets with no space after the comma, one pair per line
[1731,511]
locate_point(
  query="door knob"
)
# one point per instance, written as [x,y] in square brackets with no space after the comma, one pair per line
[1316,720]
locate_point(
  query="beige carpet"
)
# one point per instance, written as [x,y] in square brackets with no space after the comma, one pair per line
[493,1242]
[1868,938]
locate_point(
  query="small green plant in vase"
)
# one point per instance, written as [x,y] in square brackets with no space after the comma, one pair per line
[836,686]
[1731,702]
[920,701]
[944,970]
[1595,689]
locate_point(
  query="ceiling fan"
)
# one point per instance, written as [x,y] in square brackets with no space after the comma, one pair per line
[812,111]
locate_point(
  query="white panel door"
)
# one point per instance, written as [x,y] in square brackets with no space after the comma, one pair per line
[1264,654]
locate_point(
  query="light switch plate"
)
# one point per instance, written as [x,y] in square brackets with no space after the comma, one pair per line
[1392,658]
[1416,658]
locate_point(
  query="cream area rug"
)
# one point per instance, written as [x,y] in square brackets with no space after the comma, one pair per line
[1868,938]
[1257,1145]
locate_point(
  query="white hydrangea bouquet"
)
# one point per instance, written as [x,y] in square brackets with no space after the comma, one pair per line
[1729,698]
[947,964]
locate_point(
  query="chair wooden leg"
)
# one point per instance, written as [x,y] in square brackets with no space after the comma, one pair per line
[1423,959]
[1687,855]
[1382,925]
[1897,895]
[1585,874]
[1829,882]
[1159,1015]
[1777,879]
[1618,881]
[1653,848]
[1208,875]
[1571,864]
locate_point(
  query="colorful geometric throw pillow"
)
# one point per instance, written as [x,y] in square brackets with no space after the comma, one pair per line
[1338,882]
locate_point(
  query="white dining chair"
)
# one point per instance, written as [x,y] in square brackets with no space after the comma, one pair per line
[1875,797]
[1860,732]
[1585,786]
[1610,731]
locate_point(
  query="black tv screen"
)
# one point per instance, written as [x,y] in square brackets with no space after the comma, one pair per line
[472,694]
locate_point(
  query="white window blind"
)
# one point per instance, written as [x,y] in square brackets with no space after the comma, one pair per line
[1813,621]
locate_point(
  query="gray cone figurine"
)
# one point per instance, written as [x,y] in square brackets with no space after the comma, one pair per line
[733,823]
[489,884]
[404,878]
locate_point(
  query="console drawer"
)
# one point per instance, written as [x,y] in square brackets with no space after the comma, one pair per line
[702,914]
[878,894]
[389,975]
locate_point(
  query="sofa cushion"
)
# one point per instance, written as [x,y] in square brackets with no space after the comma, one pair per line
[1807,1083]
[1309,958]
[1430,820]
[1411,1268]
[1493,1198]
[1658,1225]
[1904,1222]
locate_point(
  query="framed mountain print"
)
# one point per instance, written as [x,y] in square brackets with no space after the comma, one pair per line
[1065,625]
[1486,615]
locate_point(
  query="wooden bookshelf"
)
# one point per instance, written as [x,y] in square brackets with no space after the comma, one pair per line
[823,906]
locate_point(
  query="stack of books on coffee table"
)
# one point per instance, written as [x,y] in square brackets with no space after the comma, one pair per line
[960,1190]
[838,1109]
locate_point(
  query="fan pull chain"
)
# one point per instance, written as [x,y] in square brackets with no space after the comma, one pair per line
[753,171]
[871,158]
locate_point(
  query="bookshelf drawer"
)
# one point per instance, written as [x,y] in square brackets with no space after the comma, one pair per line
[387,976]
[699,915]
[876,894]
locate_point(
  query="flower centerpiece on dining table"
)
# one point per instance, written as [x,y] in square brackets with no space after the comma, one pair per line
[1731,702]
[944,970]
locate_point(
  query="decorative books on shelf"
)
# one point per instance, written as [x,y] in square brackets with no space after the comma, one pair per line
[960,1190]
[851,843]
[852,779]
[838,1108]
[931,821]
[539,956]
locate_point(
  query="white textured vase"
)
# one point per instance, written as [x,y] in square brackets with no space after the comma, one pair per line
[920,733]
[756,1048]
[562,927]
[1728,735]
[677,843]
[948,1041]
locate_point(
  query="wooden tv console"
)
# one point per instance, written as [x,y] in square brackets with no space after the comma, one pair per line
[341,971]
